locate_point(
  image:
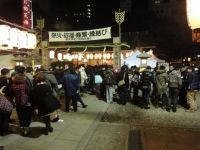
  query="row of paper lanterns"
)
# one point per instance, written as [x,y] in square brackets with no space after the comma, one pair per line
[88,56]
[11,38]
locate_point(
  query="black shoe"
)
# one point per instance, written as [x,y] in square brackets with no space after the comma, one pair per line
[55,119]
[168,109]
[84,106]
[146,107]
[26,132]
[46,131]
[174,109]
[75,110]
[50,129]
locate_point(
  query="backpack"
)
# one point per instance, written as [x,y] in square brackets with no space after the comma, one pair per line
[146,78]
[108,80]
[173,78]
[135,80]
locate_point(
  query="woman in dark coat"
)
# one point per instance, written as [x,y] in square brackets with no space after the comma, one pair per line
[41,91]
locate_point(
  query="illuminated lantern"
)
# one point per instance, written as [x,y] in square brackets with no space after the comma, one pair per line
[80,57]
[88,56]
[51,54]
[108,55]
[23,39]
[91,56]
[112,55]
[14,37]
[4,36]
[31,40]
[96,56]
[193,13]
[100,56]
[75,56]
[104,56]
[65,56]
[60,56]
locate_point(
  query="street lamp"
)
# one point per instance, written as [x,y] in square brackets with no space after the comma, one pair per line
[143,58]
[119,18]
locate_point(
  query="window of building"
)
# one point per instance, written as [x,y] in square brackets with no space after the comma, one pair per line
[157,1]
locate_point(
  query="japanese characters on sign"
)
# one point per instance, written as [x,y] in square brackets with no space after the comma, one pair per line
[85,35]
[26,14]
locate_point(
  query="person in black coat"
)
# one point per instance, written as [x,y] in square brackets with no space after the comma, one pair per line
[44,101]
[123,89]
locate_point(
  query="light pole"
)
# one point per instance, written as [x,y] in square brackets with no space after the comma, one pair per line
[119,18]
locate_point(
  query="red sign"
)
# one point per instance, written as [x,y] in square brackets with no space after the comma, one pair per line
[26,14]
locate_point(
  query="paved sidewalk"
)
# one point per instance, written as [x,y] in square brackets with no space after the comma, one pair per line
[71,134]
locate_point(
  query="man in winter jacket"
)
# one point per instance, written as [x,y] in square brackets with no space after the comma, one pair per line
[175,83]
[70,84]
[146,81]
[193,87]
[161,84]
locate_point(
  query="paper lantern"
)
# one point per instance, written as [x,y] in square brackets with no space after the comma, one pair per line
[88,56]
[31,41]
[23,39]
[193,13]
[51,54]
[4,36]
[80,57]
[96,56]
[100,55]
[60,56]
[104,56]
[108,56]
[91,56]
[14,37]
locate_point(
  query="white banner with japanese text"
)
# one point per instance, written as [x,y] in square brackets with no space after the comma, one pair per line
[85,35]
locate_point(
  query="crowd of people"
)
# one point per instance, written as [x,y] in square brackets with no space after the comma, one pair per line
[40,93]
[156,86]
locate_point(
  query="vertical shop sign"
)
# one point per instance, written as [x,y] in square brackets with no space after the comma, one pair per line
[26,14]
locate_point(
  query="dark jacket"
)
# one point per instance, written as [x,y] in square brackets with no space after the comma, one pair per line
[44,99]
[193,80]
[70,84]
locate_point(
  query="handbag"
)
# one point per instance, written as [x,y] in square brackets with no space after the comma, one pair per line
[51,103]
[5,104]
[98,79]
[122,82]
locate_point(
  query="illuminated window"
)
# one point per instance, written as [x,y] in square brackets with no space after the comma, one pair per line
[157,1]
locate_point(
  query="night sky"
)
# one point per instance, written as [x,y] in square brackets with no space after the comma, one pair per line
[167,35]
